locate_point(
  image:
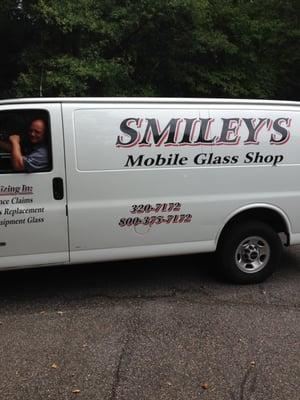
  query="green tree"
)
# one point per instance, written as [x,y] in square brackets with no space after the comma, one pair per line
[197,48]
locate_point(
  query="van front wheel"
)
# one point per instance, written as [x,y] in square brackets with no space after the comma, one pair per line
[250,252]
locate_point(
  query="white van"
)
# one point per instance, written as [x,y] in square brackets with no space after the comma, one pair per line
[128,178]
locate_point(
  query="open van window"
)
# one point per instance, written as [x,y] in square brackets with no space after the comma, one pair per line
[25,141]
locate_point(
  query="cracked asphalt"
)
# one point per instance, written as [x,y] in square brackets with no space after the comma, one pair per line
[159,329]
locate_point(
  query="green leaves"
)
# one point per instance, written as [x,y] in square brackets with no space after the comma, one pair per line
[69,76]
[198,48]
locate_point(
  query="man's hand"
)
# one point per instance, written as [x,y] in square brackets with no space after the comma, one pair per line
[14,139]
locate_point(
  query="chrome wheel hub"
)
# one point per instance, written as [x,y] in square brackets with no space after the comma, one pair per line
[252,254]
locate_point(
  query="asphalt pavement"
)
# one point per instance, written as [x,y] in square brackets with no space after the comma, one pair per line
[155,329]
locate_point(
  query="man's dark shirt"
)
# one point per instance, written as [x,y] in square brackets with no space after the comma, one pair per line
[35,157]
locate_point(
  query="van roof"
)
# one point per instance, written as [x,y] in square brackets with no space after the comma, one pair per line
[160,100]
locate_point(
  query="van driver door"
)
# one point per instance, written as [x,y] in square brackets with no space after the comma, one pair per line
[33,221]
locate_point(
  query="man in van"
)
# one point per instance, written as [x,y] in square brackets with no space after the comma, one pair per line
[30,155]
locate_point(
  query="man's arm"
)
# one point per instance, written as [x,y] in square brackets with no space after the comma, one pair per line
[16,153]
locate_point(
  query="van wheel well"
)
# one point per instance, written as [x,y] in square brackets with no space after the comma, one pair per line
[266,215]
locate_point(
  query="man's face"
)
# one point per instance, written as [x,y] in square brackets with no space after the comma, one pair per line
[37,131]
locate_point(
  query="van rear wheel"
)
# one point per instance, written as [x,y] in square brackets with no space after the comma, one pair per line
[249,252]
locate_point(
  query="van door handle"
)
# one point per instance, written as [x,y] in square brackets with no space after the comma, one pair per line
[58,188]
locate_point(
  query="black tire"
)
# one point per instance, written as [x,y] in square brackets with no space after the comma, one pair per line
[241,243]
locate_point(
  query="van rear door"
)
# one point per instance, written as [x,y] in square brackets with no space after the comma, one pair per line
[33,221]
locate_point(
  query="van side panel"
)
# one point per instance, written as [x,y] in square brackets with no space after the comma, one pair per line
[103,195]
[161,177]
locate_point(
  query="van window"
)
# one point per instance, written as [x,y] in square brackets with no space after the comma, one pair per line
[25,141]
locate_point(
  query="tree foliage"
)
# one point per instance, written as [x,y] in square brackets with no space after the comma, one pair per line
[196,48]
